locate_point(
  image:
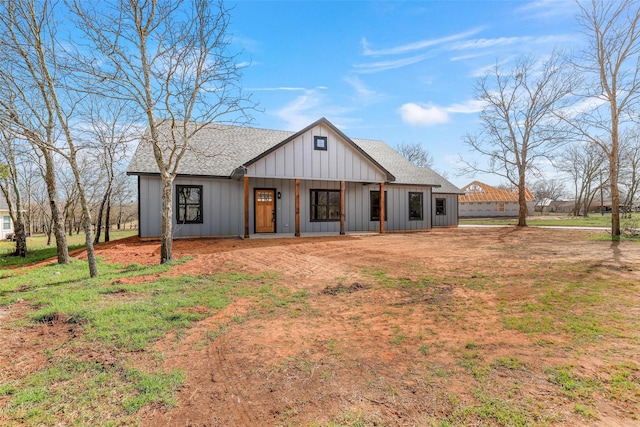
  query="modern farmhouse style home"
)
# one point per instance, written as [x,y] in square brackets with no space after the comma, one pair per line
[239,181]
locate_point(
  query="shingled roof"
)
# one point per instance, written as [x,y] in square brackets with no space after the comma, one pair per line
[218,150]
[480,192]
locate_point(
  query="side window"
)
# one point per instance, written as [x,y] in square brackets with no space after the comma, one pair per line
[374,203]
[415,206]
[189,204]
[441,206]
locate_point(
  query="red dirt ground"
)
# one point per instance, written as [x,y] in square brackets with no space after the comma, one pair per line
[382,355]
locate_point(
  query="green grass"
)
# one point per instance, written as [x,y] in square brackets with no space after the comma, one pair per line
[115,320]
[552,219]
[39,251]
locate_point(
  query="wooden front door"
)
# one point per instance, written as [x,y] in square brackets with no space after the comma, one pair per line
[265,211]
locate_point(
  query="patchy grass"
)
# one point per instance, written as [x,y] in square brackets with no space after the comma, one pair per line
[477,342]
[38,250]
[90,380]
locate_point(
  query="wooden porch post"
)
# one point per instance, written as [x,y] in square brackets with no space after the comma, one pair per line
[297,233]
[382,213]
[342,208]
[246,207]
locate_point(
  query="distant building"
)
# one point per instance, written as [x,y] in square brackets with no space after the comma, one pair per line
[483,200]
[6,225]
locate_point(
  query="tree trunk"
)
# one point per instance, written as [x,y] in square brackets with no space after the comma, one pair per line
[57,218]
[166,240]
[99,219]
[522,201]
[48,231]
[107,220]
[613,177]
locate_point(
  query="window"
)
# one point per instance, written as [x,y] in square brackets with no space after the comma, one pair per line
[441,206]
[320,143]
[374,202]
[325,205]
[500,206]
[189,201]
[6,222]
[415,206]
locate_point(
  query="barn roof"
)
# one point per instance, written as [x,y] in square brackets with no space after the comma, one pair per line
[480,192]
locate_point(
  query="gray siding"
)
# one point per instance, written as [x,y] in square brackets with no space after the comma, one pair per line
[299,159]
[222,208]
[450,219]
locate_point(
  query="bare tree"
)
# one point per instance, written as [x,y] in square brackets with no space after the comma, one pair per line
[37,61]
[110,133]
[518,123]
[611,72]
[170,59]
[629,177]
[547,190]
[9,186]
[23,111]
[415,153]
[585,167]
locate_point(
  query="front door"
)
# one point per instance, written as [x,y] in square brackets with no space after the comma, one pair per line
[265,211]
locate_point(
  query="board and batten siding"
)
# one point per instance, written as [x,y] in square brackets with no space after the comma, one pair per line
[450,218]
[222,207]
[358,208]
[298,159]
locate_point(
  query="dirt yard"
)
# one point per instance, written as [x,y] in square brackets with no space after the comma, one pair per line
[407,330]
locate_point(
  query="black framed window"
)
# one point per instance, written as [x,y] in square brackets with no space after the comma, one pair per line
[189,204]
[374,202]
[320,143]
[325,205]
[415,206]
[441,206]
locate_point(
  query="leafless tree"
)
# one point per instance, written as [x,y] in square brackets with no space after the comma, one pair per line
[170,59]
[610,68]
[546,190]
[109,133]
[36,61]
[519,128]
[585,166]
[9,186]
[629,177]
[415,153]
[22,109]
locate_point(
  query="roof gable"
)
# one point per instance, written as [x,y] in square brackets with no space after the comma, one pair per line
[297,157]
[323,122]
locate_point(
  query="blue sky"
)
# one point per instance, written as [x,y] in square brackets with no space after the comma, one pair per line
[401,71]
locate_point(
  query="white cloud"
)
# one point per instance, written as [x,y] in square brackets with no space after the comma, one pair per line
[429,114]
[309,107]
[489,43]
[419,115]
[299,113]
[547,9]
[375,67]
[419,45]
[364,95]
[470,107]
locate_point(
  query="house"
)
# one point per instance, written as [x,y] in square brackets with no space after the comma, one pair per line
[237,181]
[6,228]
[483,200]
